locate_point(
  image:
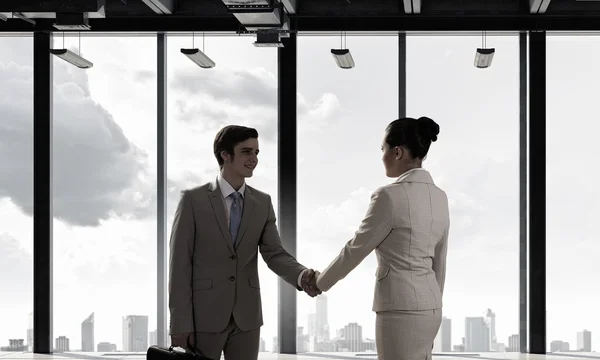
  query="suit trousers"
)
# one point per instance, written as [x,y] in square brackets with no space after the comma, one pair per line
[406,335]
[233,342]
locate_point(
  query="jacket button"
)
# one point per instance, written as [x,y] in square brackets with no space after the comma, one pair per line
[233,257]
[231,278]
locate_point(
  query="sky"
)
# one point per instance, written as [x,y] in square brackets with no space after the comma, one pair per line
[105,169]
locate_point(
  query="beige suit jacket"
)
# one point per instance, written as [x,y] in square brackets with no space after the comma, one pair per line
[225,279]
[407,225]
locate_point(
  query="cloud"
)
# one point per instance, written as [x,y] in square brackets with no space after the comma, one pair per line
[227,96]
[16,272]
[98,173]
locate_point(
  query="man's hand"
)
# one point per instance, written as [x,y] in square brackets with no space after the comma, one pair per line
[180,340]
[309,283]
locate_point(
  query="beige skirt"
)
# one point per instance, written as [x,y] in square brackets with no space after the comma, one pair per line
[406,335]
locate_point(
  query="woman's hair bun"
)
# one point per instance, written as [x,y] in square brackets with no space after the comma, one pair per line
[428,129]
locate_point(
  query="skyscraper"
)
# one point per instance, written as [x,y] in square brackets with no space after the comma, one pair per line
[443,340]
[352,334]
[30,332]
[490,321]
[513,343]
[135,333]
[321,321]
[87,334]
[584,341]
[477,335]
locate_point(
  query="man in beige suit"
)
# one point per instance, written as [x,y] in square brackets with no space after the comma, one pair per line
[218,230]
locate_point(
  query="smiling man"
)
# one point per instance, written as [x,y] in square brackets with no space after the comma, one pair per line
[218,230]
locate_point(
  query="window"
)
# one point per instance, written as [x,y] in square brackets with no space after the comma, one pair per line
[16,192]
[572,198]
[239,90]
[476,161]
[105,195]
[342,115]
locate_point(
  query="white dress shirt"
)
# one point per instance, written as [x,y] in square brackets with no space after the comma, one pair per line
[226,190]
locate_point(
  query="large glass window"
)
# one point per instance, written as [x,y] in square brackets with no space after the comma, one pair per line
[105,195]
[476,161]
[239,90]
[573,198]
[16,192]
[342,115]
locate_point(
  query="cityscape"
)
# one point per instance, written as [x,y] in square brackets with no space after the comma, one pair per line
[479,336]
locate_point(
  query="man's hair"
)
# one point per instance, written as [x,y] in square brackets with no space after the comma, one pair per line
[228,137]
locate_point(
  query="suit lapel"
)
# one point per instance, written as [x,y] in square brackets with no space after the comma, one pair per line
[249,203]
[216,200]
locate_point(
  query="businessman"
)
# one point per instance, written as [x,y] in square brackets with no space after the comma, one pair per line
[218,230]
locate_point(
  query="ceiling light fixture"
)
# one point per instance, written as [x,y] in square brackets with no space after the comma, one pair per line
[199,57]
[484,56]
[71,57]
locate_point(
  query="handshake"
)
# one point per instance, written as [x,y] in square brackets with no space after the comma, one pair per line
[309,283]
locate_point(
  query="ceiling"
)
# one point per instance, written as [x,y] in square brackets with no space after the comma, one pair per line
[313,15]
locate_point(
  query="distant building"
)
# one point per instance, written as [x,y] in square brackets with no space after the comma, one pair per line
[62,344]
[17,345]
[584,341]
[559,345]
[135,333]
[106,347]
[87,334]
[513,343]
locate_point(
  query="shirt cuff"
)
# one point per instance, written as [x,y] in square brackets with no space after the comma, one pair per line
[300,277]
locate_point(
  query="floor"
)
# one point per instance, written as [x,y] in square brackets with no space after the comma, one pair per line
[366,356]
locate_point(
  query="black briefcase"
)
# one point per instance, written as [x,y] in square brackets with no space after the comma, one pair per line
[158,353]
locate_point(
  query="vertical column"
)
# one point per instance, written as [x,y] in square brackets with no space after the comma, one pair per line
[537,192]
[286,147]
[402,75]
[161,183]
[42,193]
[522,192]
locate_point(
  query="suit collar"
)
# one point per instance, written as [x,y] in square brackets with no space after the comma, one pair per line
[216,196]
[418,175]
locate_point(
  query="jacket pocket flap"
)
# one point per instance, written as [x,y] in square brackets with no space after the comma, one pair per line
[382,271]
[253,281]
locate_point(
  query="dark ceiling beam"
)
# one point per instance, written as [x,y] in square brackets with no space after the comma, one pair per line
[538,6]
[399,22]
[53,6]
[166,7]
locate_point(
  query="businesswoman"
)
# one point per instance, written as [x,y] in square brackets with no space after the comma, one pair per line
[407,225]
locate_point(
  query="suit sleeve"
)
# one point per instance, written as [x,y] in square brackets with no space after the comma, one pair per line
[439,260]
[277,258]
[180,267]
[374,228]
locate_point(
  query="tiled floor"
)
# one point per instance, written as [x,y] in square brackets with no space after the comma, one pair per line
[271,356]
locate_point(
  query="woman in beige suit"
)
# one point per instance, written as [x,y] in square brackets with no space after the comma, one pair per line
[407,225]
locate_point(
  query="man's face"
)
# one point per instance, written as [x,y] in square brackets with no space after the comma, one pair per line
[244,160]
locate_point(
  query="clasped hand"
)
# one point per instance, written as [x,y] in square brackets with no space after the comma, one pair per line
[309,283]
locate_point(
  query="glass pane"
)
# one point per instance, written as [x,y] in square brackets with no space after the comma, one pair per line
[16,193]
[105,195]
[476,162]
[239,90]
[341,118]
[572,271]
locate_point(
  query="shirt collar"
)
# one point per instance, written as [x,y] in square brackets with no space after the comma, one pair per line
[227,189]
